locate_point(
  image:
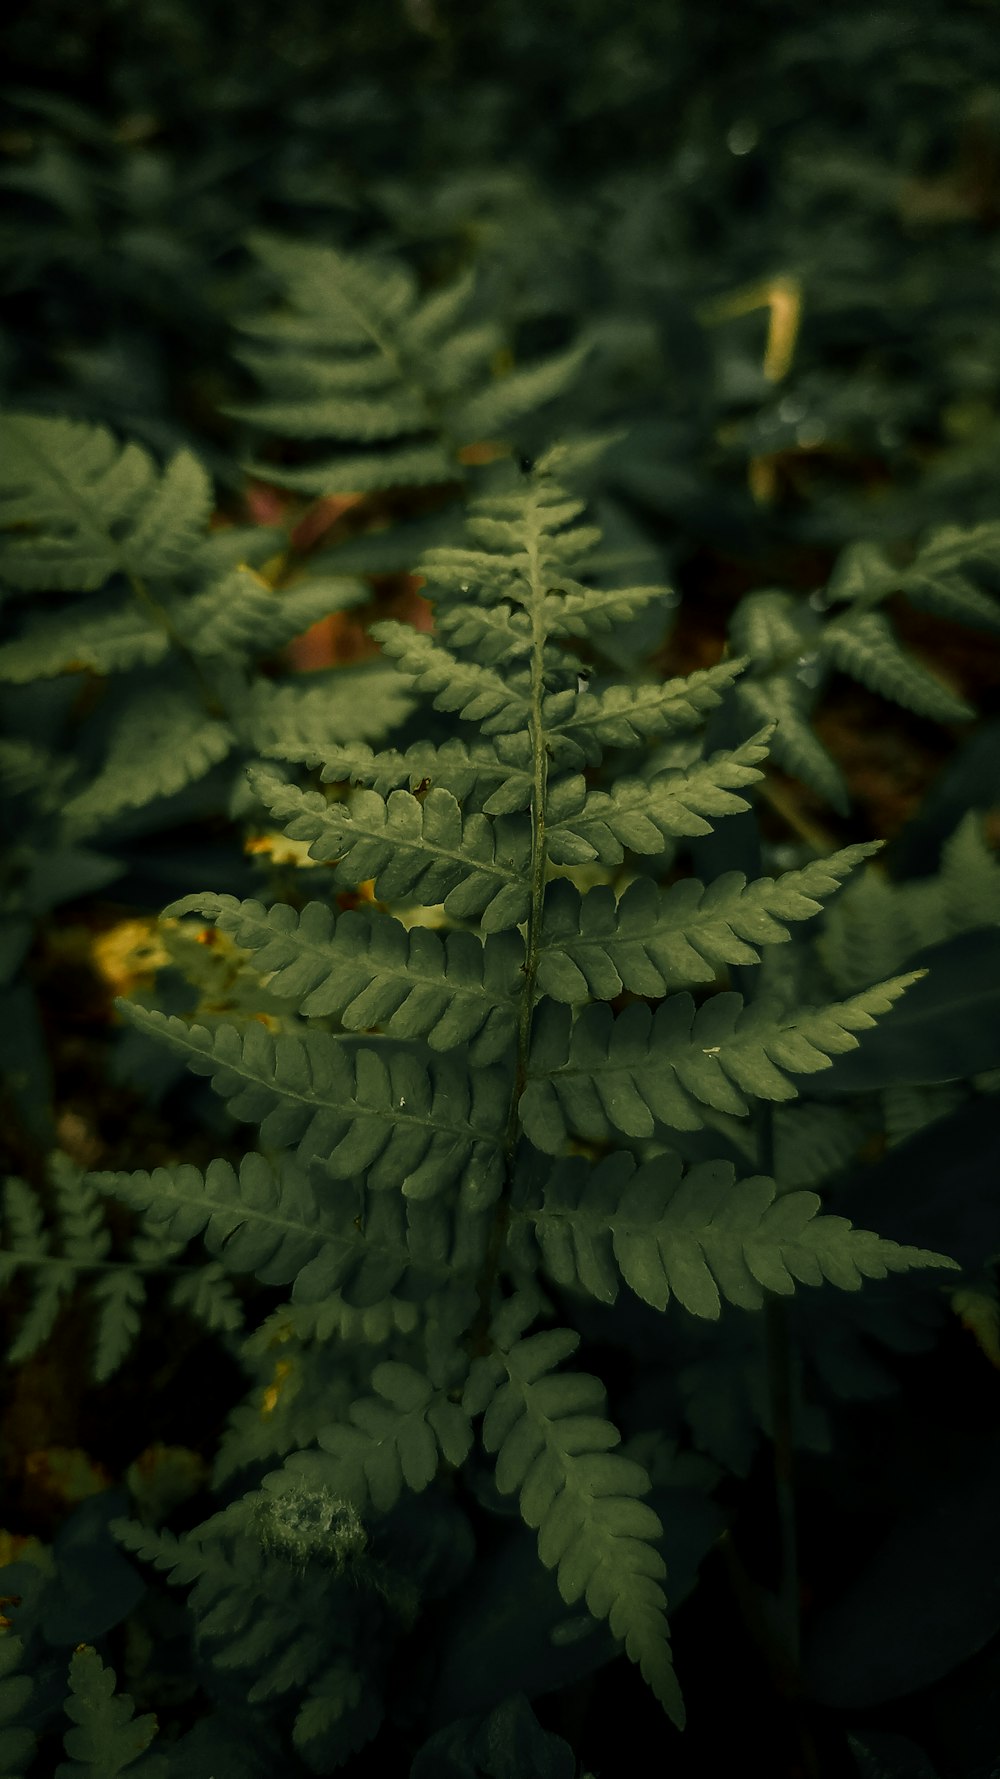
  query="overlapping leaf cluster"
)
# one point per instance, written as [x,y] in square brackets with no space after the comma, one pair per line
[402,1121]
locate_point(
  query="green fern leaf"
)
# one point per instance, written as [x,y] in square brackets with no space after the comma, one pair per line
[493,776]
[365,967]
[241,616]
[575,610]
[28,1242]
[418,465]
[119,1297]
[340,1716]
[491,412]
[105,639]
[471,865]
[495,703]
[554,1449]
[107,1738]
[644,815]
[82,507]
[381,1112]
[795,747]
[311,721]
[941,578]
[624,716]
[160,744]
[17,1744]
[626,1074]
[702,1237]
[273,1222]
[358,357]
[651,940]
[392,1439]
[862,644]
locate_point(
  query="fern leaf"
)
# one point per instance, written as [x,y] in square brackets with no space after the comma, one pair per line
[492,411]
[28,1242]
[644,816]
[941,578]
[493,776]
[365,967]
[495,703]
[702,1237]
[242,615]
[116,1288]
[418,465]
[862,644]
[392,1439]
[381,1113]
[106,639]
[651,940]
[555,1450]
[575,610]
[17,1743]
[470,864]
[626,1074]
[795,747]
[340,1716]
[85,507]
[160,744]
[271,1221]
[346,705]
[624,716]
[107,1737]
[358,357]
[119,1297]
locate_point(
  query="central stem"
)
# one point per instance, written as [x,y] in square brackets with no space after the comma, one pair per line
[532,945]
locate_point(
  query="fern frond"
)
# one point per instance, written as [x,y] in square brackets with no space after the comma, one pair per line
[382,1113]
[17,1742]
[76,1253]
[340,1716]
[107,1738]
[160,743]
[608,1074]
[493,776]
[941,577]
[470,864]
[644,815]
[862,644]
[104,639]
[392,1439]
[878,924]
[702,1237]
[651,940]
[271,1221]
[555,1450]
[81,507]
[358,357]
[794,746]
[624,716]
[366,968]
[575,610]
[492,410]
[242,616]
[496,703]
[346,705]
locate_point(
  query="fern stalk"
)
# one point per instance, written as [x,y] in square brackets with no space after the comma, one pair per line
[478,1339]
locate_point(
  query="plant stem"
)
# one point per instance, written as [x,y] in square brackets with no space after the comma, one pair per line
[539,762]
[778,1349]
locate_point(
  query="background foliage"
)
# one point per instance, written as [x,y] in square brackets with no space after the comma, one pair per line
[754,255]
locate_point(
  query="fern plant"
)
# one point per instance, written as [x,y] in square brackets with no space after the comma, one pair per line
[480,1111]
